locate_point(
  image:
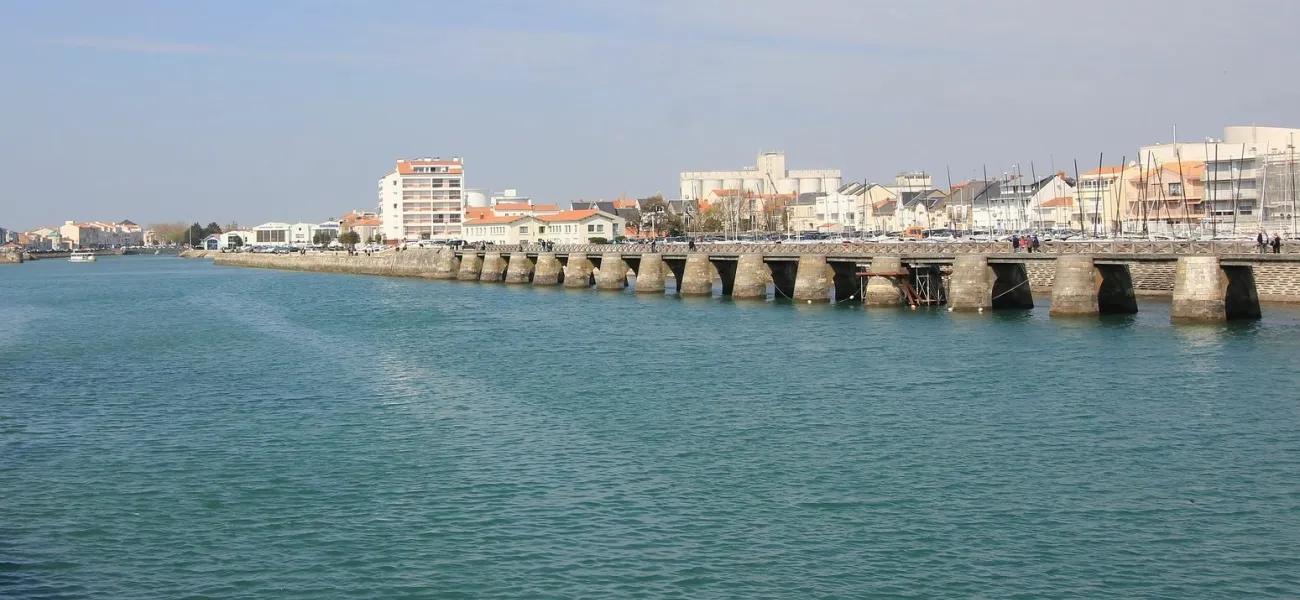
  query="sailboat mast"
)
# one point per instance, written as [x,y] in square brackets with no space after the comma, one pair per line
[1120,181]
[1096,202]
[1182,191]
[1078,184]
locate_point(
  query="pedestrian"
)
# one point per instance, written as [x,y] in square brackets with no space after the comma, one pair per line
[690,245]
[1260,241]
[1277,244]
[1015,243]
[654,246]
[1035,245]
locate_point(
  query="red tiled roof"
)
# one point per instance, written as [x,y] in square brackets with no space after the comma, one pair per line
[1059,201]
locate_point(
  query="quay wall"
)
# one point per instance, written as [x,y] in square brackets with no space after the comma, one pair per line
[416,262]
[11,257]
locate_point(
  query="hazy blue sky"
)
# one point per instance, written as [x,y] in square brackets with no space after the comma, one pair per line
[292,109]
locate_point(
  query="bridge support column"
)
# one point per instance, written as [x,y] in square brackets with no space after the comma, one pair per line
[885,291]
[520,269]
[613,272]
[697,279]
[1074,291]
[577,273]
[471,266]
[1206,291]
[494,268]
[1011,286]
[751,278]
[650,274]
[971,285]
[1083,287]
[446,265]
[812,282]
[548,270]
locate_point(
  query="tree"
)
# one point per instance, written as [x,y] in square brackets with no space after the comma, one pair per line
[350,239]
[321,238]
[237,241]
[658,216]
[172,233]
[231,226]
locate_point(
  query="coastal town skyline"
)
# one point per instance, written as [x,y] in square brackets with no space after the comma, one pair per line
[583,100]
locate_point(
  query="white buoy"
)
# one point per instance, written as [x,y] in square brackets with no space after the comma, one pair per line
[981,309]
[949,309]
[810,302]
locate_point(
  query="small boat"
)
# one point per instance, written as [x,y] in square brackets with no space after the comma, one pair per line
[82,256]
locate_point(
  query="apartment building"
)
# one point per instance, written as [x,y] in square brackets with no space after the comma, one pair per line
[101,234]
[423,198]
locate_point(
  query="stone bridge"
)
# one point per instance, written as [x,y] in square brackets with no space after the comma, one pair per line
[1207,280]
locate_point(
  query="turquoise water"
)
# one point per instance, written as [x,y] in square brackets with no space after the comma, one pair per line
[172,429]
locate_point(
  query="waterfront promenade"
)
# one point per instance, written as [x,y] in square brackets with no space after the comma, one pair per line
[1206,281]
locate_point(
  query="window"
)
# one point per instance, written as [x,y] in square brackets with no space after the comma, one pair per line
[591,228]
[541,229]
[1175,189]
[600,228]
[523,229]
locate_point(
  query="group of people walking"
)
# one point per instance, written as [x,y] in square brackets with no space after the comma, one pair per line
[1263,243]
[1028,243]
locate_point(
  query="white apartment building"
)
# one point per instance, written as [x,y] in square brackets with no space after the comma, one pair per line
[423,198]
[1251,175]
[767,177]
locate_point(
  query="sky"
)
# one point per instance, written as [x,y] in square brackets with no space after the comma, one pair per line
[291,110]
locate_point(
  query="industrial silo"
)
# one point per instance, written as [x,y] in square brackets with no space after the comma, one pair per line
[810,185]
[476,199]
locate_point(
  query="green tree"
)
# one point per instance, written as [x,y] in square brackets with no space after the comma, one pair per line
[350,239]
[237,241]
[321,238]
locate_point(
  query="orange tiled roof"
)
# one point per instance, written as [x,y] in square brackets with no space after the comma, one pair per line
[569,215]
[475,212]
[493,220]
[625,204]
[512,206]
[367,223]
[1105,171]
[1059,201]
[546,207]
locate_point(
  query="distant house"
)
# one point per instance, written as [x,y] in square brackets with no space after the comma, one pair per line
[211,242]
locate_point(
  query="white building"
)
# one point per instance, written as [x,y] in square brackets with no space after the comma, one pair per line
[566,227]
[1251,175]
[768,177]
[1013,205]
[423,199]
[271,234]
[227,240]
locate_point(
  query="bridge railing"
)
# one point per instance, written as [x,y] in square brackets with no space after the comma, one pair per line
[1159,248]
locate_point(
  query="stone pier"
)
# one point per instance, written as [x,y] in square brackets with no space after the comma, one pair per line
[613,272]
[812,279]
[971,285]
[548,270]
[1082,287]
[470,266]
[697,278]
[885,291]
[751,278]
[1206,291]
[520,269]
[494,268]
[578,271]
[650,274]
[446,265]
[1011,286]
